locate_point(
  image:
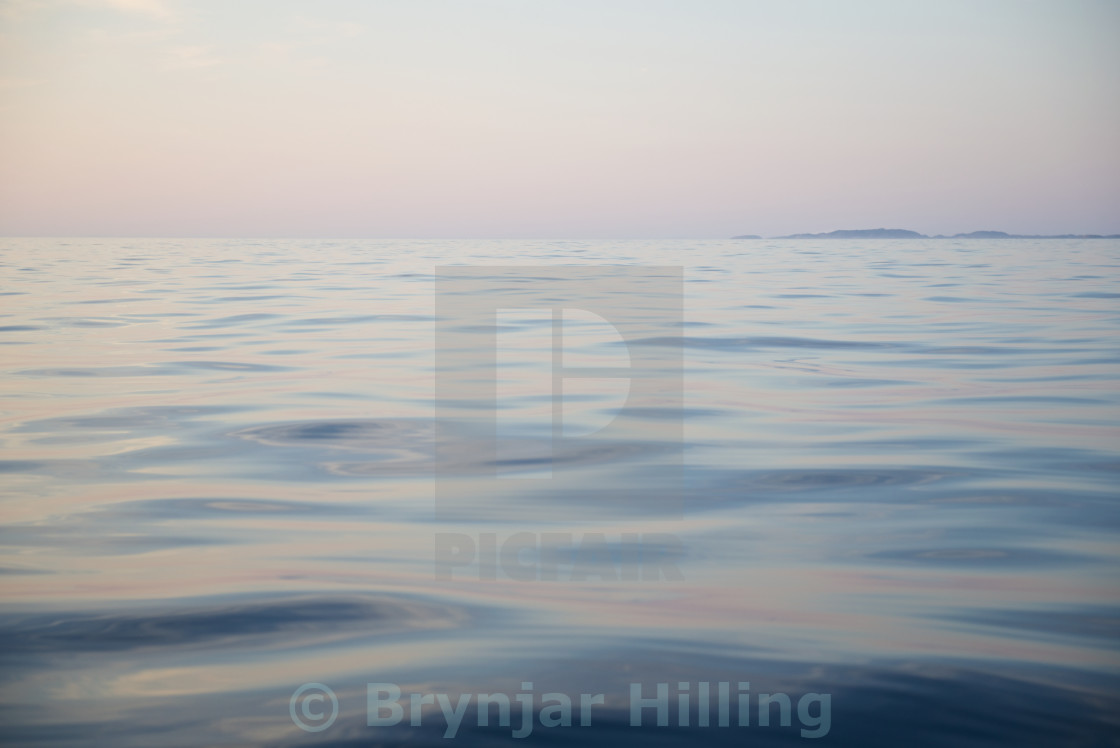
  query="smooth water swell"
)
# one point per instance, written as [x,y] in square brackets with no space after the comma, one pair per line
[900,473]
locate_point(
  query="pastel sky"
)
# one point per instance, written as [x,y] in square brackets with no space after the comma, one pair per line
[557,118]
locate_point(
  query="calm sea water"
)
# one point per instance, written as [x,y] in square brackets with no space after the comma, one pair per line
[900,505]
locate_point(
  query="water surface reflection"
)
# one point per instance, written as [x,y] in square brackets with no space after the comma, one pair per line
[899,474]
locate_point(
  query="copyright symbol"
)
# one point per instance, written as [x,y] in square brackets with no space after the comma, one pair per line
[309,709]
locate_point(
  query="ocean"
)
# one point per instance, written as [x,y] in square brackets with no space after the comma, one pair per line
[754,492]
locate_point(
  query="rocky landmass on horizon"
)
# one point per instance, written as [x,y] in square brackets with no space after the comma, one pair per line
[907,234]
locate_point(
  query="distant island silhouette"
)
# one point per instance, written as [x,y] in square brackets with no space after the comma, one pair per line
[907,234]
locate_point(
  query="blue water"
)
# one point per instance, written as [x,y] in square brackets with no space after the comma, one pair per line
[896,461]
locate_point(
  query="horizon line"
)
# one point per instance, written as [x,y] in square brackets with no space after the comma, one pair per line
[739,237]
